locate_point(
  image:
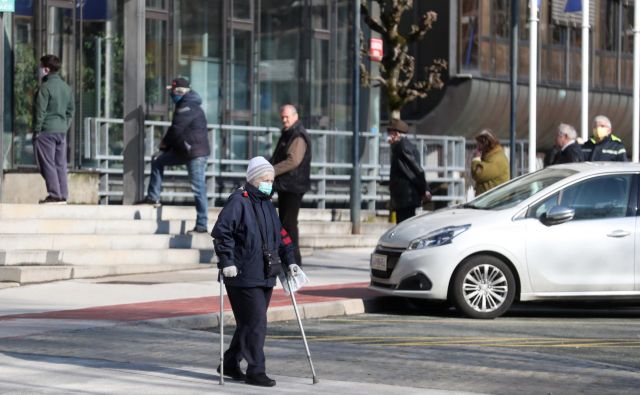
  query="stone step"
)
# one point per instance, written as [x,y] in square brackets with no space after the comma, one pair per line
[148,212]
[17,275]
[105,257]
[174,227]
[107,241]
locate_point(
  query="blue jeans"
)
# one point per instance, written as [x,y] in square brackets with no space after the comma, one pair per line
[196,168]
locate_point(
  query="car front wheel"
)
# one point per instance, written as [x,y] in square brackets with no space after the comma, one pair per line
[483,287]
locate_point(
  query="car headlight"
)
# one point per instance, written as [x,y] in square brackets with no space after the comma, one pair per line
[438,237]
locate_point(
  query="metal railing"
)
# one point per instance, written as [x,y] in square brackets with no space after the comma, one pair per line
[442,157]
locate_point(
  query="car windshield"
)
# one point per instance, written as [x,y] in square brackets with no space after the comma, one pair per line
[517,190]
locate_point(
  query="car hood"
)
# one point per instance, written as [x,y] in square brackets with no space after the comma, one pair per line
[402,234]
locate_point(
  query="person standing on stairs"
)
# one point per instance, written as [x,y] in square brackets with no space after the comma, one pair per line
[185,143]
[53,114]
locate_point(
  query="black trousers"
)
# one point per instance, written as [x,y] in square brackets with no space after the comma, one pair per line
[288,209]
[404,213]
[249,307]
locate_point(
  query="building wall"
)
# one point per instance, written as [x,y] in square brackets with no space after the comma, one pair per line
[245,58]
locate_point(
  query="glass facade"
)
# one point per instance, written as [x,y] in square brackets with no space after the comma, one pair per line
[484,41]
[244,58]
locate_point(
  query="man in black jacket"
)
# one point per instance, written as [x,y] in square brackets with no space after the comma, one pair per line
[186,142]
[292,162]
[568,150]
[604,145]
[407,184]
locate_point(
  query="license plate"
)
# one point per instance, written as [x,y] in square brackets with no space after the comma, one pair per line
[379,262]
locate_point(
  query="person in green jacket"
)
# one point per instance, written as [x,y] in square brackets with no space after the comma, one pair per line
[489,166]
[53,113]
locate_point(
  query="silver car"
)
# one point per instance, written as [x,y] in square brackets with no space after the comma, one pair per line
[564,232]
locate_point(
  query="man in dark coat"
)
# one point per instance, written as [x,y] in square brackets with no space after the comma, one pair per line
[186,142]
[604,145]
[569,150]
[292,162]
[407,184]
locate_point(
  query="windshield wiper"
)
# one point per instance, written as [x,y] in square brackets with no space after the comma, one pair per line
[471,206]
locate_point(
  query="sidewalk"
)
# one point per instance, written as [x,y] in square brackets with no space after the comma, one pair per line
[187,299]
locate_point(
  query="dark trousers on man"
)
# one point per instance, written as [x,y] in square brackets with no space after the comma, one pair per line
[51,158]
[288,209]
[404,213]
[249,307]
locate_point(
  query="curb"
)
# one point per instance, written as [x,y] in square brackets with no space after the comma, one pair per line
[282,313]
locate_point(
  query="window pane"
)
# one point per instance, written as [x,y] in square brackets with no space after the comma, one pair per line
[319,84]
[279,57]
[102,66]
[198,50]
[155,61]
[242,9]
[500,18]
[24,87]
[241,69]
[60,37]
[320,14]
[602,197]
[469,34]
[159,4]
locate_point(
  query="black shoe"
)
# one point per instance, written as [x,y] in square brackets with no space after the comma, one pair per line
[234,372]
[197,230]
[260,379]
[52,200]
[147,200]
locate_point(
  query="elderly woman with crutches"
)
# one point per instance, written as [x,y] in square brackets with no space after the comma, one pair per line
[252,249]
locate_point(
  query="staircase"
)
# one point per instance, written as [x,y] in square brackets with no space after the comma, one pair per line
[41,243]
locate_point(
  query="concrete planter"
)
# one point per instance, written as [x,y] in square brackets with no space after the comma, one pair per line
[23,187]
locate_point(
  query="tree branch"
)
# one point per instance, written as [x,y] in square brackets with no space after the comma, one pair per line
[418,32]
[372,23]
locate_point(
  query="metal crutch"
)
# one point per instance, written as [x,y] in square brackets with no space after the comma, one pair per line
[304,338]
[221,323]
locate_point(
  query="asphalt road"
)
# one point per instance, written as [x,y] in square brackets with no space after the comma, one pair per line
[536,349]
[580,348]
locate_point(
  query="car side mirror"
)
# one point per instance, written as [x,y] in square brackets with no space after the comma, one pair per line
[557,215]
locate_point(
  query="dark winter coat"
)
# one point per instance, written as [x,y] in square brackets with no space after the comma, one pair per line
[297,180]
[407,183]
[237,239]
[188,135]
[570,154]
[609,149]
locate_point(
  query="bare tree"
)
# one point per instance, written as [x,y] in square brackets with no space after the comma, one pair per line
[397,68]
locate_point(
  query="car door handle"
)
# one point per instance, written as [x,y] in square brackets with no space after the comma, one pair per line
[618,233]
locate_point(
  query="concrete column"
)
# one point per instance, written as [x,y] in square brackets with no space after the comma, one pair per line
[1,99]
[134,81]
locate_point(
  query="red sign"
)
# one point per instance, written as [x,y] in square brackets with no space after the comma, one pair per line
[375,49]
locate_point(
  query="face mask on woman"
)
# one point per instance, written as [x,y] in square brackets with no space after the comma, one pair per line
[175,98]
[265,187]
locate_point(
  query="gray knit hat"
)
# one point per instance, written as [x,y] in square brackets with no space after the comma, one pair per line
[258,166]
